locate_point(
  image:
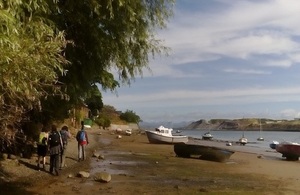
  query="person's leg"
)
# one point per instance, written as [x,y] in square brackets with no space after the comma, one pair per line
[83,152]
[63,156]
[56,163]
[51,163]
[38,162]
[79,152]
[44,162]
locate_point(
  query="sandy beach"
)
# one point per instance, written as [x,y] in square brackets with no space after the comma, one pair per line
[138,167]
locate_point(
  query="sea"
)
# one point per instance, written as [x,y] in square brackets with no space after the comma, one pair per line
[234,136]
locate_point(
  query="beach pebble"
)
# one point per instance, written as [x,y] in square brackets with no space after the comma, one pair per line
[83,174]
[102,177]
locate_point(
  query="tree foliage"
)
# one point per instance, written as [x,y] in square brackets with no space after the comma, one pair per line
[109,36]
[130,117]
[31,58]
[110,42]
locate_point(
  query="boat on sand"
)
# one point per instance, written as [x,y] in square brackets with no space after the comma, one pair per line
[163,135]
[203,152]
[273,144]
[207,136]
[243,140]
[289,150]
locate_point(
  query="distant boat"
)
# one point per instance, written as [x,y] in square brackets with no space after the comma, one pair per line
[207,136]
[243,140]
[260,130]
[202,152]
[163,135]
[289,150]
[273,144]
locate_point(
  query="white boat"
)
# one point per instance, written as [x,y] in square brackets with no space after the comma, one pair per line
[163,135]
[243,141]
[260,130]
[128,132]
[207,136]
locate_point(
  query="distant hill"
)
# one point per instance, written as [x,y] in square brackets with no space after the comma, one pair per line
[246,124]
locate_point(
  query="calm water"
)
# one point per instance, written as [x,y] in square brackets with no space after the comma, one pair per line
[252,136]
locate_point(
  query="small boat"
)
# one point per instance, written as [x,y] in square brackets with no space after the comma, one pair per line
[289,150]
[178,131]
[163,135]
[128,132]
[243,141]
[203,152]
[273,144]
[207,136]
[260,130]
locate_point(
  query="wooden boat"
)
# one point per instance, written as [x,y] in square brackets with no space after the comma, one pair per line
[207,136]
[289,150]
[203,152]
[260,130]
[163,135]
[273,144]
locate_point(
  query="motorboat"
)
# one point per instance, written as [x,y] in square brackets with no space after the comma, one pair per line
[203,152]
[207,136]
[289,150]
[163,135]
[273,144]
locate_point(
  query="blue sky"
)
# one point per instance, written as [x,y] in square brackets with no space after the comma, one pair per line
[228,59]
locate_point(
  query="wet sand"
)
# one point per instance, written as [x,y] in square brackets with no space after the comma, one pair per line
[138,167]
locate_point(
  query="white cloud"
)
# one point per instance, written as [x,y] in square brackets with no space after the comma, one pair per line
[246,71]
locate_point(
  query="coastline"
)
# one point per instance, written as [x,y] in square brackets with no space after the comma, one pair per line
[138,167]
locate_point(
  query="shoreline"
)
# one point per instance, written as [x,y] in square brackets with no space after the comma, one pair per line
[138,167]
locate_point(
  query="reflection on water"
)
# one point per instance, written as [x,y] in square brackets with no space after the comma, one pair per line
[252,136]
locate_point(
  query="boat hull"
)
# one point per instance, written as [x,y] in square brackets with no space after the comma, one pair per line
[203,152]
[289,150]
[157,138]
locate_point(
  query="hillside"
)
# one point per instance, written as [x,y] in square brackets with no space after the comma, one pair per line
[246,124]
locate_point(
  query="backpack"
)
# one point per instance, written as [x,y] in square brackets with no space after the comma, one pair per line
[82,136]
[54,139]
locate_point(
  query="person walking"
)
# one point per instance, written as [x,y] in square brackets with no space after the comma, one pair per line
[65,135]
[82,139]
[42,148]
[55,147]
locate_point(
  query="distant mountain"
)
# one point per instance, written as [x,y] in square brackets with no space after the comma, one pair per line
[229,124]
[152,125]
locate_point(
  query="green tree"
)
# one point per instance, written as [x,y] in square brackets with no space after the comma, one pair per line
[109,36]
[130,116]
[31,58]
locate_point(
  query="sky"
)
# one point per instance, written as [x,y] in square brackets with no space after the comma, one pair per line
[229,59]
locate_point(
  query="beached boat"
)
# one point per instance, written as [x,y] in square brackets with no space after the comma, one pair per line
[203,152]
[289,150]
[260,130]
[128,132]
[273,144]
[207,136]
[243,140]
[163,135]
